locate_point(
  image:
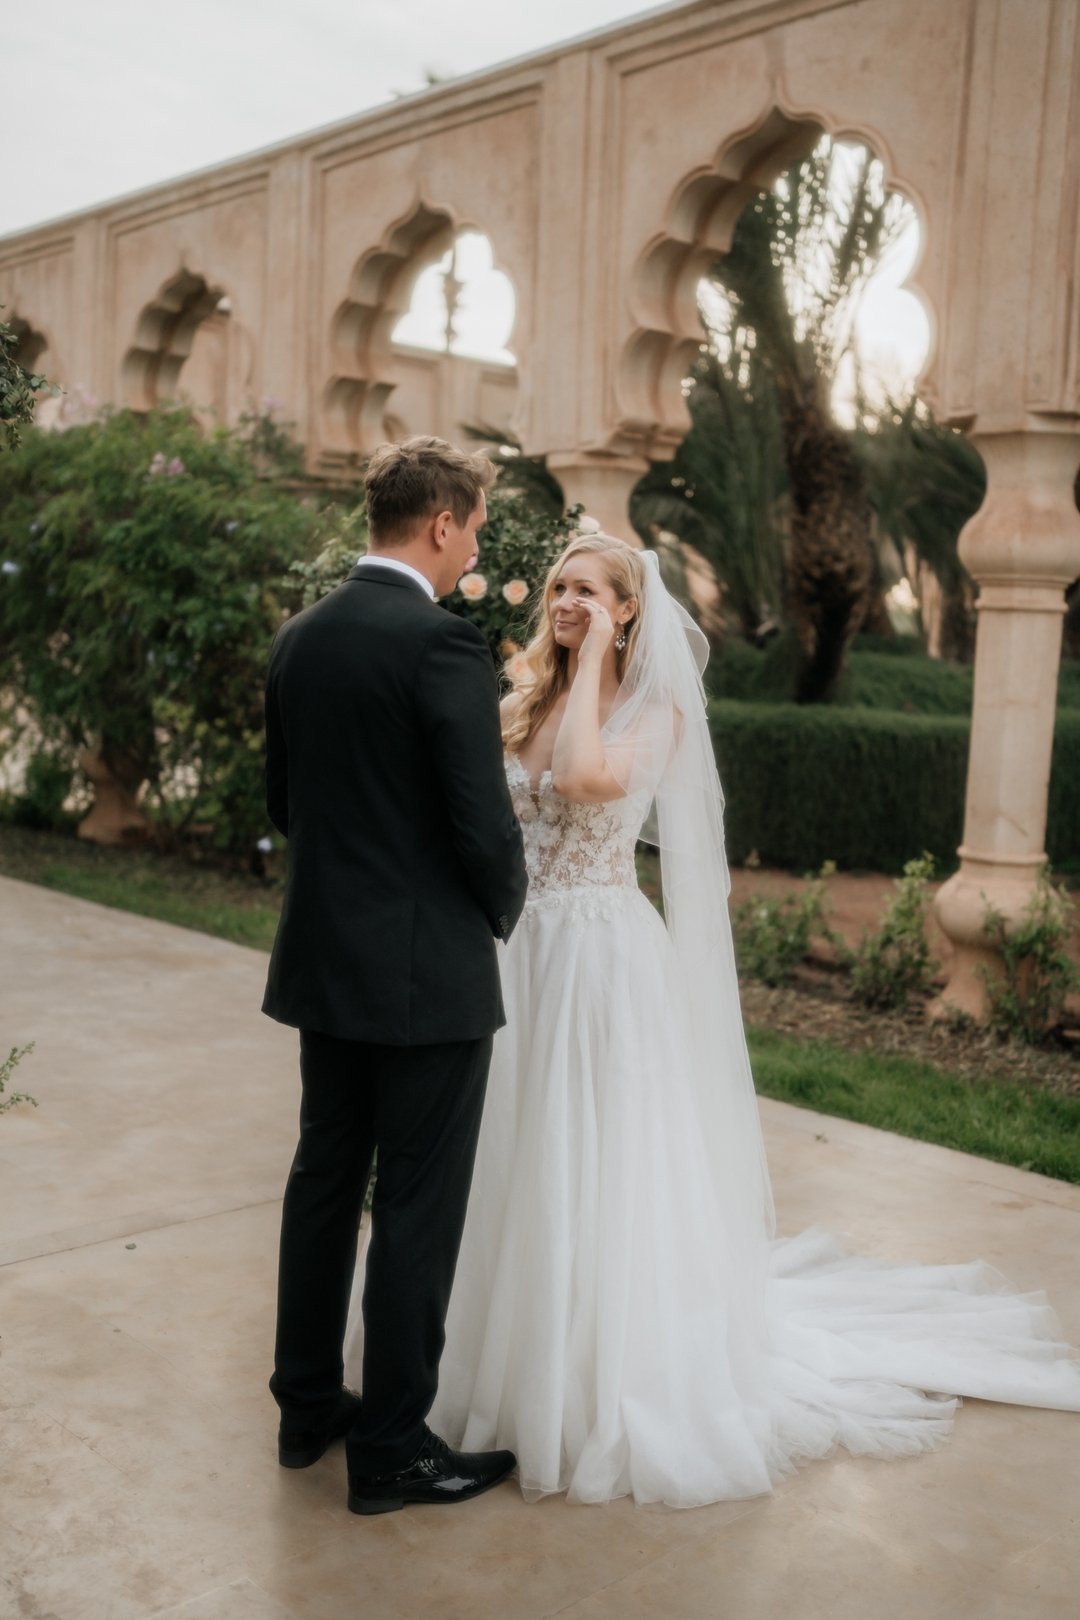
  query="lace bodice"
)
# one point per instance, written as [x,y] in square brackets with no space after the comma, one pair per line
[573,846]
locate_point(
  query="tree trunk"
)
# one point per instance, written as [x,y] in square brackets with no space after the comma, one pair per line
[114,817]
[958,622]
[876,621]
[831,522]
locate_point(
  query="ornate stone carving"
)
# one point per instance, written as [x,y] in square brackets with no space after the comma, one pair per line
[164,334]
[363,372]
[31,343]
[366,363]
[698,228]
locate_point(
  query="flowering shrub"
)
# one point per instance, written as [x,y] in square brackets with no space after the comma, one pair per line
[518,544]
[144,568]
[144,572]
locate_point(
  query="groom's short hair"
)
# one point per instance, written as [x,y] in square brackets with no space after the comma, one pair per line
[408,482]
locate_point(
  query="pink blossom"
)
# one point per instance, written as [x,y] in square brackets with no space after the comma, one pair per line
[515,591]
[472,587]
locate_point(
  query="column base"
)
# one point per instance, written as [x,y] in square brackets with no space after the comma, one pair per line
[1005,884]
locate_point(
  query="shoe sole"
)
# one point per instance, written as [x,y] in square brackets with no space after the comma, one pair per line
[303,1459]
[368,1505]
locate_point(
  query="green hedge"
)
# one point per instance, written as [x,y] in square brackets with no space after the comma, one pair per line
[863,787]
[902,679]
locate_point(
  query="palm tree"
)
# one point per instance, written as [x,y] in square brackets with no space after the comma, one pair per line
[724,492]
[800,259]
[925,482]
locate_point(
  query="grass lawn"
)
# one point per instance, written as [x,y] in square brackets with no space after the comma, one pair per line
[1014,1124]
[232,906]
[1019,1124]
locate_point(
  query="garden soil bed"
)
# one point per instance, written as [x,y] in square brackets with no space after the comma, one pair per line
[818,1007]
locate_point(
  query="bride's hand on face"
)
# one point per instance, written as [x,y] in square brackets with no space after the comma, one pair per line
[600,632]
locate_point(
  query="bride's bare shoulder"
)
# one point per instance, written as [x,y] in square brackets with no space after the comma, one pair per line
[509,704]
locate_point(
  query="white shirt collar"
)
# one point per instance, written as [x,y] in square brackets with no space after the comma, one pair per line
[402,568]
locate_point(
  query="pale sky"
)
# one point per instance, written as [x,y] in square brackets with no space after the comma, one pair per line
[107,96]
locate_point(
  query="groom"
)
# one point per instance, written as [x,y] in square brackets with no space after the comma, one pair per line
[384,771]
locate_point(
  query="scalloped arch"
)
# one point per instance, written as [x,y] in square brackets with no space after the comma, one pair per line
[32,342]
[364,369]
[35,353]
[164,334]
[700,222]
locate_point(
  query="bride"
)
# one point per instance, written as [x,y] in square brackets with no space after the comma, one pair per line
[623,1317]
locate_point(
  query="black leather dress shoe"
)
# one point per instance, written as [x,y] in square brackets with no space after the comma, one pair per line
[436,1474]
[299,1447]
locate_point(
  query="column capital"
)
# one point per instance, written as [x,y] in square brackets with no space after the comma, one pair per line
[1023,544]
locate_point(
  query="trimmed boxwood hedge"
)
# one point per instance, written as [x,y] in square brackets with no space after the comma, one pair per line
[866,788]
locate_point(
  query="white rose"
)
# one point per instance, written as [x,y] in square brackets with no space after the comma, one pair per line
[515,591]
[472,587]
[588,525]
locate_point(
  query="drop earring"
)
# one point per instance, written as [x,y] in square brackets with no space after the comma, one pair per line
[620,641]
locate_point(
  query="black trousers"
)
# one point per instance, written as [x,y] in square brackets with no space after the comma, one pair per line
[420,1106]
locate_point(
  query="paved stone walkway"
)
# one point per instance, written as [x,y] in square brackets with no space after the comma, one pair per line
[138,1222]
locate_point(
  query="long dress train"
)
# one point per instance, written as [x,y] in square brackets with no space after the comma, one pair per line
[598,1324]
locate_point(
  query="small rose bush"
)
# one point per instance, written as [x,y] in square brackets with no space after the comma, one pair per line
[518,544]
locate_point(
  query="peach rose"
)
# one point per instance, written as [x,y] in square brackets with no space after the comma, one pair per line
[472,587]
[518,669]
[515,591]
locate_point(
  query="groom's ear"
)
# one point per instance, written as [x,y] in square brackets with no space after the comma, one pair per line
[440,528]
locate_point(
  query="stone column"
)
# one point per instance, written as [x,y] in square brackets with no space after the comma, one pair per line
[602,483]
[1023,548]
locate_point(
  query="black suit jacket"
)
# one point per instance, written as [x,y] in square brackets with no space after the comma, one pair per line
[384,771]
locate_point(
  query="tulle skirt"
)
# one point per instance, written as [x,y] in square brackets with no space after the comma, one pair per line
[598,1323]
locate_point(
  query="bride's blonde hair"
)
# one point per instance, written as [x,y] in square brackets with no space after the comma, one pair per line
[540,669]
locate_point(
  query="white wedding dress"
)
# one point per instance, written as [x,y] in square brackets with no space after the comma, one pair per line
[593,1326]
